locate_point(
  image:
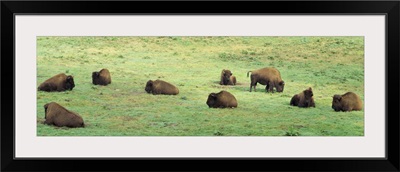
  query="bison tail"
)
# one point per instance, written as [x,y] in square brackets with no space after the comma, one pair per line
[248,73]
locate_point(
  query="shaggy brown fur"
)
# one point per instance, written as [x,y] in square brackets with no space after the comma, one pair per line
[303,99]
[223,99]
[160,87]
[57,115]
[227,78]
[101,78]
[60,82]
[267,76]
[346,102]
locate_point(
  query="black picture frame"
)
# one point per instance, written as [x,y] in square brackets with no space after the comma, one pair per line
[10,8]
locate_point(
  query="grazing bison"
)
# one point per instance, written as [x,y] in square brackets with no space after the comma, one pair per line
[161,87]
[227,78]
[346,102]
[101,78]
[223,99]
[60,82]
[57,115]
[303,99]
[267,76]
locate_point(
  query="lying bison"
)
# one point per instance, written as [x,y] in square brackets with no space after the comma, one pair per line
[303,99]
[101,78]
[223,99]
[161,87]
[267,76]
[227,78]
[60,82]
[346,102]
[57,115]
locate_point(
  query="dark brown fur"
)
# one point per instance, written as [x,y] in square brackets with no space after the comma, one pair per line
[268,76]
[161,87]
[227,78]
[346,102]
[223,99]
[101,78]
[57,115]
[303,99]
[60,82]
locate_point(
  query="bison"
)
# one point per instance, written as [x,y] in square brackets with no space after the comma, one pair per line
[267,76]
[346,102]
[60,82]
[223,99]
[160,87]
[102,77]
[227,78]
[57,115]
[303,99]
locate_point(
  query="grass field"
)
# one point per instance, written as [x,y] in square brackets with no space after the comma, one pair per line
[330,65]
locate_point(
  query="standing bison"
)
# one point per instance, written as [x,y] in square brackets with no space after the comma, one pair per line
[160,87]
[60,82]
[267,76]
[223,99]
[303,99]
[57,115]
[346,102]
[101,78]
[227,78]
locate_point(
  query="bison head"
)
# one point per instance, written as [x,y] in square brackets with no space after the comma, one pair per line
[280,86]
[95,77]
[69,83]
[212,98]
[336,102]
[95,74]
[308,95]
[226,75]
[149,86]
[45,110]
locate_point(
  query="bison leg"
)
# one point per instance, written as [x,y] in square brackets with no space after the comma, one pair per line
[47,87]
[346,109]
[312,104]
[48,122]
[270,86]
[232,80]
[50,87]
[253,84]
[303,104]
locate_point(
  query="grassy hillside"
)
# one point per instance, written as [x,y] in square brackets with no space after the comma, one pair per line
[330,65]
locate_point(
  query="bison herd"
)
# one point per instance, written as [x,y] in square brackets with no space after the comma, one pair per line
[59,116]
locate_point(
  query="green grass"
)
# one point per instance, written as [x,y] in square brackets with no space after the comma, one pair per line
[330,65]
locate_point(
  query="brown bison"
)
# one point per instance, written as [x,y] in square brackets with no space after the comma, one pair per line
[227,78]
[346,102]
[57,115]
[267,76]
[223,99]
[101,78]
[303,99]
[60,82]
[161,87]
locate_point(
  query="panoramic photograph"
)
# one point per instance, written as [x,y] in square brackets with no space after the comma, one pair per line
[200,86]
